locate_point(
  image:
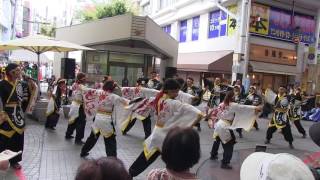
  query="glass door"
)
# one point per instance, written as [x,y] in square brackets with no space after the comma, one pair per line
[117,73]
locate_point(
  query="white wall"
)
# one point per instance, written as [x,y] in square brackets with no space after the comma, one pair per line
[188,11]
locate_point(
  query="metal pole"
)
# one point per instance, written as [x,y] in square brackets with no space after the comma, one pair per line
[247,43]
[13,18]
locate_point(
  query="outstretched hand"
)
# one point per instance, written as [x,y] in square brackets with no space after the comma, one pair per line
[258,109]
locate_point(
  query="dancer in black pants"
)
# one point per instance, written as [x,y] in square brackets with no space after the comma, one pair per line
[224,114]
[103,123]
[77,120]
[169,113]
[295,111]
[280,119]
[55,104]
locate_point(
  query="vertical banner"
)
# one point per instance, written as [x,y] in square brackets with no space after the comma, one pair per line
[232,22]
[259,19]
[214,18]
[195,28]
[183,30]
[223,23]
[167,29]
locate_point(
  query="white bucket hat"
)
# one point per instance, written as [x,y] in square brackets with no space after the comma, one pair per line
[266,166]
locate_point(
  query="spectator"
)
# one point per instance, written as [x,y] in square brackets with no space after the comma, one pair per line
[105,168]
[180,151]
[283,166]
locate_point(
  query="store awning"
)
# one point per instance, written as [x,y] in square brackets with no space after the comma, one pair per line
[210,61]
[273,68]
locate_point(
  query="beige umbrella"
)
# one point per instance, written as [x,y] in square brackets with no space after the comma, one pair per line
[40,44]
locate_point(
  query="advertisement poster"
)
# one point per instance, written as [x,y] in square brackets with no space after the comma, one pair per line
[259,19]
[280,24]
[195,28]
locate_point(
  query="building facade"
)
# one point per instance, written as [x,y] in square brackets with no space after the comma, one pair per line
[125,48]
[274,41]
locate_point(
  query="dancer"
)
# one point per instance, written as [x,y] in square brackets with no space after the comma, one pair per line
[55,104]
[191,89]
[169,113]
[218,93]
[132,93]
[239,99]
[280,119]
[225,114]
[253,99]
[77,116]
[295,111]
[12,122]
[104,121]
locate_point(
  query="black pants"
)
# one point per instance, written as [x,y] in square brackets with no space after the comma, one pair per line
[286,131]
[146,126]
[255,125]
[110,144]
[15,143]
[298,125]
[227,148]
[141,163]
[52,120]
[79,125]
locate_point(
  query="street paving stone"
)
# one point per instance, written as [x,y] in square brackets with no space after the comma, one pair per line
[48,156]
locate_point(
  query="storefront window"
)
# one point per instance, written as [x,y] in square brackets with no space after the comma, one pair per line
[97,63]
[127,58]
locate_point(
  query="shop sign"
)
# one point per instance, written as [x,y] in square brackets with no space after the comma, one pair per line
[232,22]
[217,24]
[280,24]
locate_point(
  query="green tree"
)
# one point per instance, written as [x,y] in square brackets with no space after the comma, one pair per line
[116,7]
[48,30]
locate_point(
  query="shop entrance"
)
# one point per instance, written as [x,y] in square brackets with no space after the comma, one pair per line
[125,74]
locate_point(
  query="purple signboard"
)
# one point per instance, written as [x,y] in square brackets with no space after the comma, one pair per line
[183,30]
[195,28]
[283,26]
[214,18]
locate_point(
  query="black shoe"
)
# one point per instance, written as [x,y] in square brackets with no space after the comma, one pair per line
[257,129]
[84,154]
[267,141]
[199,128]
[291,146]
[69,137]
[304,136]
[225,166]
[79,142]
[240,135]
[52,128]
[214,157]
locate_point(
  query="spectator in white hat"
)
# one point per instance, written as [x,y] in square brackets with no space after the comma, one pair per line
[266,166]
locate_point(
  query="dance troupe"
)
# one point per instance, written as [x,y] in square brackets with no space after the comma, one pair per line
[168,107]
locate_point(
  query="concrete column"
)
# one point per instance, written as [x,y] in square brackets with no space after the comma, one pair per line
[163,65]
[301,63]
[247,40]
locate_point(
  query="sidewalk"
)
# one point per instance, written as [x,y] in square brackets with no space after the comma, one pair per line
[48,156]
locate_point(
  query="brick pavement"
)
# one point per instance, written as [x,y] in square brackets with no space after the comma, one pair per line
[49,156]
